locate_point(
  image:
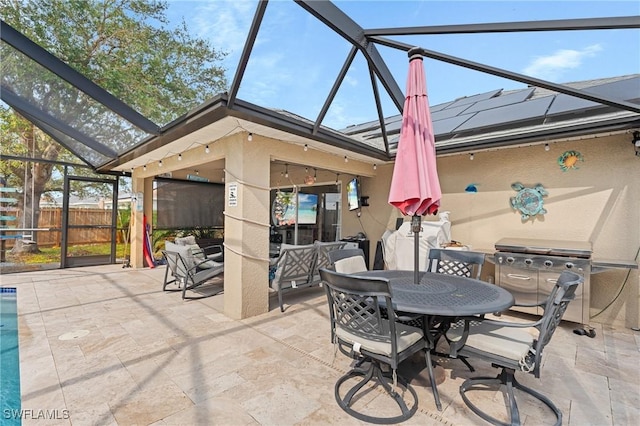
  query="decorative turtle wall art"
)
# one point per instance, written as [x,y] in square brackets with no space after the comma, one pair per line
[528,200]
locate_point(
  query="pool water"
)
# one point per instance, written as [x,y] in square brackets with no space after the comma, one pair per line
[9,359]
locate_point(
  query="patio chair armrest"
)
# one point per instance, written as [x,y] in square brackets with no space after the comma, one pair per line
[213,249]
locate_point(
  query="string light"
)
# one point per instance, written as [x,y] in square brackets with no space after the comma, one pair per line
[144,167]
[346,160]
[547,147]
[206,149]
[306,147]
[160,163]
[375,167]
[471,156]
[179,157]
[197,172]
[315,174]
[250,137]
[286,170]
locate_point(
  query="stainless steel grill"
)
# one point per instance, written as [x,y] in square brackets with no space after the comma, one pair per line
[529,269]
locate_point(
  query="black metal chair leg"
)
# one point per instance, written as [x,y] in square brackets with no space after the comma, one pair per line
[506,378]
[432,379]
[374,371]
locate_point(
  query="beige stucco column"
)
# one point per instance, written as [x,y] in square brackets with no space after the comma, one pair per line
[246,229]
[141,203]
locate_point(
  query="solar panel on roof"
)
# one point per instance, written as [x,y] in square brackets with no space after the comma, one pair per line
[498,101]
[448,125]
[623,89]
[475,98]
[434,108]
[449,112]
[505,115]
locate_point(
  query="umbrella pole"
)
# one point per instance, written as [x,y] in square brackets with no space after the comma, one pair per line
[415,228]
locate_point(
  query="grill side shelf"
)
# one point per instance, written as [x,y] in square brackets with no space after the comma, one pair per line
[602,265]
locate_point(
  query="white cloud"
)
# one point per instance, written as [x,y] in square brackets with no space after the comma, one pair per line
[224,23]
[350,80]
[555,65]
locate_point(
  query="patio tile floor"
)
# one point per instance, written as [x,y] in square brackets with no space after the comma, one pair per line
[104,345]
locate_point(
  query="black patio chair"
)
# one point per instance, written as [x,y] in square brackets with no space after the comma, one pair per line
[462,263]
[511,347]
[360,332]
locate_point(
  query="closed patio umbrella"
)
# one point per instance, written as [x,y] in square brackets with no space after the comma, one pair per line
[415,188]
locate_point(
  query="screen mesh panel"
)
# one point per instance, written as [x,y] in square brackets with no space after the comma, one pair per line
[184,204]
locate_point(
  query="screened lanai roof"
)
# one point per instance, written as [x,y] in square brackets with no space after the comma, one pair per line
[109,135]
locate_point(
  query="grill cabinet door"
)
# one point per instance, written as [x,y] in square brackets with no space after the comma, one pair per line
[522,283]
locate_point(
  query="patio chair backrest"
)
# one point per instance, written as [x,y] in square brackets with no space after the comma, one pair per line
[322,259]
[294,265]
[185,252]
[177,265]
[562,293]
[462,263]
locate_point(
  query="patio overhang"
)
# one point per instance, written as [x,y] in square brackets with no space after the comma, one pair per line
[216,119]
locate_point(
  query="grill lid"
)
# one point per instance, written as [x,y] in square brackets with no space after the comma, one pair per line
[549,247]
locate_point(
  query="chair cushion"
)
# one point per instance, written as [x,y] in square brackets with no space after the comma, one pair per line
[407,336]
[350,265]
[205,274]
[199,257]
[508,342]
[186,241]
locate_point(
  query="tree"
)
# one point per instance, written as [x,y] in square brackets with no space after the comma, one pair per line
[129,48]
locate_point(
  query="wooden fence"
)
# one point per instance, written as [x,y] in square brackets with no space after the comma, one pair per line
[52,218]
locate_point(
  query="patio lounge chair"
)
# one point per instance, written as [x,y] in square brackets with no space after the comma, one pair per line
[360,332]
[214,252]
[511,347]
[188,271]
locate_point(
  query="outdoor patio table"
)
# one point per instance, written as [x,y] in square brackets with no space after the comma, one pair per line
[440,296]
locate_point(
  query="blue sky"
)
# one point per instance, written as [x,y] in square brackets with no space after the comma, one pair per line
[296,58]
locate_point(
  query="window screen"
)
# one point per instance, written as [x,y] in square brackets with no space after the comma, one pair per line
[184,204]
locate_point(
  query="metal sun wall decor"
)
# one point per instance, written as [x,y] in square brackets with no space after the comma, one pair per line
[528,201]
[569,160]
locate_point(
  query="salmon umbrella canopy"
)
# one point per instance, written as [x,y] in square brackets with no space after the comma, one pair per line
[415,187]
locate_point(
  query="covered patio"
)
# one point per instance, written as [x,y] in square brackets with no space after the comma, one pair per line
[103,345]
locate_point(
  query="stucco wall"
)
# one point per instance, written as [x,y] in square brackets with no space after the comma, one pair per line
[598,202]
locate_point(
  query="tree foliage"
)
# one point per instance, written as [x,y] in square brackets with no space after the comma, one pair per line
[127,47]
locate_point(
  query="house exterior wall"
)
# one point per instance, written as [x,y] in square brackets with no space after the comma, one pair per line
[598,202]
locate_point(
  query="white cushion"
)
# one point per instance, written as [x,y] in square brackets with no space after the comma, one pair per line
[407,336]
[199,257]
[508,342]
[186,241]
[350,265]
